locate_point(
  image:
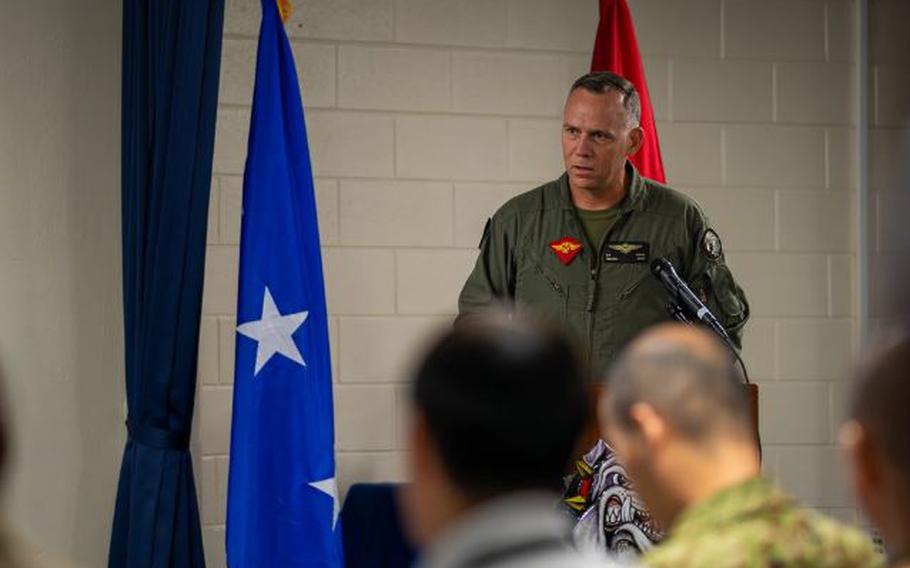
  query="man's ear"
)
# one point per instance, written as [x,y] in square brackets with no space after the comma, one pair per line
[636,137]
[651,425]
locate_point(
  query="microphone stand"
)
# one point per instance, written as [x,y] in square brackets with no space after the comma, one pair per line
[677,312]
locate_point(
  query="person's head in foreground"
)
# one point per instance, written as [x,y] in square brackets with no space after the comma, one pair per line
[499,404]
[674,410]
[877,438]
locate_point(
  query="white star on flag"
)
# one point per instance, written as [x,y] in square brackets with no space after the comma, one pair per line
[273,331]
[329,487]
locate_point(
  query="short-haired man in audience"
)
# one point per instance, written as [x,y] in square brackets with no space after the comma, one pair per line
[499,404]
[877,437]
[673,410]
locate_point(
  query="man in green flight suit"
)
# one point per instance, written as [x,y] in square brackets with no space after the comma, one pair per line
[674,412]
[579,248]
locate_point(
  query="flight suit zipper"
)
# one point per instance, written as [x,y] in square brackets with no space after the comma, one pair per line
[595,274]
[596,264]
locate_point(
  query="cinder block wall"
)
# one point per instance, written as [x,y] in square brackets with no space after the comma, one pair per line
[888,240]
[424,115]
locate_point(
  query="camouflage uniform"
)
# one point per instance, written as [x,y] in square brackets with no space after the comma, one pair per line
[754,524]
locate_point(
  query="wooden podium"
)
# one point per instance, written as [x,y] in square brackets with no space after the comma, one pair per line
[592,432]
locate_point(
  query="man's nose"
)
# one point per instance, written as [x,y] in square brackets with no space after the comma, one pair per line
[583,147]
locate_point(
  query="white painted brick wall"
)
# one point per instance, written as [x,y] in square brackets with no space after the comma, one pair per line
[783,30]
[657,71]
[783,284]
[396,213]
[842,285]
[814,349]
[842,158]
[473,204]
[429,280]
[760,348]
[775,156]
[693,153]
[382,349]
[715,90]
[745,217]
[364,417]
[679,29]
[394,78]
[507,83]
[815,220]
[425,115]
[534,149]
[815,93]
[353,144]
[451,147]
[359,281]
[451,22]
[544,24]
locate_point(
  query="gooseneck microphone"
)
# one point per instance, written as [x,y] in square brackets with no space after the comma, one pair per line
[680,293]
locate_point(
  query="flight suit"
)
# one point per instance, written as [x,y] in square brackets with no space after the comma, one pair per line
[534,252]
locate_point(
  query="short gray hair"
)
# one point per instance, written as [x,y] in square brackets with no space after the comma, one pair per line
[700,396]
[603,82]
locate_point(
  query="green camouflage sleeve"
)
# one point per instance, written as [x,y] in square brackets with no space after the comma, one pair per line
[711,279]
[789,538]
[493,277]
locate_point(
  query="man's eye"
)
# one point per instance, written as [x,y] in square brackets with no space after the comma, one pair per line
[571,131]
[599,137]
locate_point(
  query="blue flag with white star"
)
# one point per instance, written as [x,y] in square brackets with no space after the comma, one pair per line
[282,505]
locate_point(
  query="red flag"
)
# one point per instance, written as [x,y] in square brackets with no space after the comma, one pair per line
[616,50]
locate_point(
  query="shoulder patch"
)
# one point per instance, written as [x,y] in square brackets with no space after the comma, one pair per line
[711,245]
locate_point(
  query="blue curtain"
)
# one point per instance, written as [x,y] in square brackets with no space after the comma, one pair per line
[171,60]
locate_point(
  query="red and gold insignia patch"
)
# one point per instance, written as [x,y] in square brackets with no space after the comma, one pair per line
[566,248]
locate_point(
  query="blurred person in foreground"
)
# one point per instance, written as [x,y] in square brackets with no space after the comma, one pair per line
[673,409]
[877,439]
[499,404]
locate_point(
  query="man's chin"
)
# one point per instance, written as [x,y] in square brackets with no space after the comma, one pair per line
[583,182]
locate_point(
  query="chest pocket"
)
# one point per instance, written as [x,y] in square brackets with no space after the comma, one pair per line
[640,298]
[539,290]
[619,281]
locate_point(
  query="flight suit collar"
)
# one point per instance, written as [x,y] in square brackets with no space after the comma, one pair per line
[633,201]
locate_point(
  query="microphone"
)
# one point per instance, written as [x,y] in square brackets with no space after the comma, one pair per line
[680,292]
